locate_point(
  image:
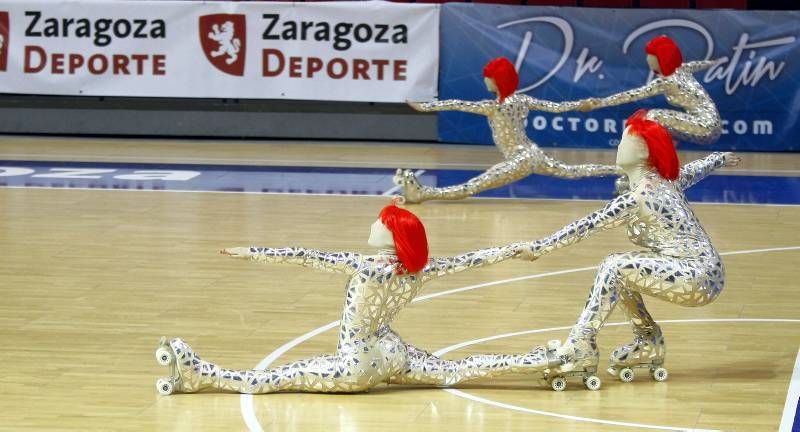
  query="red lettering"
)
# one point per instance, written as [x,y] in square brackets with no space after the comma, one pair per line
[36,60]
[94,69]
[120,64]
[342,68]
[400,70]
[138,60]
[360,67]
[75,62]
[380,64]
[159,64]
[314,65]
[265,63]
[30,50]
[296,67]
[57,63]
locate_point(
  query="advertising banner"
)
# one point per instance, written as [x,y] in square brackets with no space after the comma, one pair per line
[567,54]
[343,51]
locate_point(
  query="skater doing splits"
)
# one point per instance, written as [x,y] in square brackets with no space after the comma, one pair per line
[369,352]
[507,117]
[700,122]
[678,263]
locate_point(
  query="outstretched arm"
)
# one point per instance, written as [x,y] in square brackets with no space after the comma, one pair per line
[614,214]
[336,262]
[440,266]
[534,104]
[697,170]
[697,66]
[483,107]
[650,89]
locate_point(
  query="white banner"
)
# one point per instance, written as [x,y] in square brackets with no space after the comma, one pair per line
[345,51]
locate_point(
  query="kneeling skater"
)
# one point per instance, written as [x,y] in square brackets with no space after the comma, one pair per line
[679,263]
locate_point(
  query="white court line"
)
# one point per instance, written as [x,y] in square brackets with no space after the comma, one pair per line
[791,406]
[788,411]
[546,330]
[246,401]
[396,188]
[460,393]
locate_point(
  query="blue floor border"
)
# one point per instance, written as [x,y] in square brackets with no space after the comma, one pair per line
[358,181]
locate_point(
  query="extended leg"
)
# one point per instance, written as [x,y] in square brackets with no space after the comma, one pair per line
[503,173]
[699,129]
[323,374]
[426,368]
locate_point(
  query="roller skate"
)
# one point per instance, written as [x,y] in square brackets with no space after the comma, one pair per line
[412,189]
[646,351]
[187,372]
[565,362]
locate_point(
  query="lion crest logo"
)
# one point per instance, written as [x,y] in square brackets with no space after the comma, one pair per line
[4,32]
[223,38]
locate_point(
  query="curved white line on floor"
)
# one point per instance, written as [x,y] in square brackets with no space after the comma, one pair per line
[471,397]
[246,401]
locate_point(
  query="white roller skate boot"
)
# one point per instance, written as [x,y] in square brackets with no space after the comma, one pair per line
[565,361]
[412,189]
[188,373]
[646,351]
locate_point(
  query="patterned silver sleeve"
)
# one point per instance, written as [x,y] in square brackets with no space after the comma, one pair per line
[335,262]
[697,170]
[614,214]
[697,66]
[440,266]
[652,88]
[475,107]
[534,104]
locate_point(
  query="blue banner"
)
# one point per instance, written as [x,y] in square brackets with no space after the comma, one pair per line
[565,54]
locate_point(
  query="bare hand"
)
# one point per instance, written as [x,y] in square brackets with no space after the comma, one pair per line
[524,251]
[416,105]
[236,252]
[588,104]
[731,159]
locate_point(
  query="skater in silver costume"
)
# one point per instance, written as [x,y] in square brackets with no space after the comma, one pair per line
[369,352]
[700,122]
[678,264]
[507,116]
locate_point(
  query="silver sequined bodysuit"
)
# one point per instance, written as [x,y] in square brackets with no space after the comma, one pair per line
[369,352]
[700,123]
[678,264]
[522,156]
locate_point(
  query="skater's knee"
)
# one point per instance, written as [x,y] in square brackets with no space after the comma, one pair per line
[613,263]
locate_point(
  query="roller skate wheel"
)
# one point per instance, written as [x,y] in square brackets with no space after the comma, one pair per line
[592,383]
[626,375]
[612,371]
[553,344]
[165,386]
[163,356]
[558,383]
[659,374]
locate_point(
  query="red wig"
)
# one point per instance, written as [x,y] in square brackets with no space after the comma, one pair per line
[663,156]
[502,71]
[667,52]
[410,239]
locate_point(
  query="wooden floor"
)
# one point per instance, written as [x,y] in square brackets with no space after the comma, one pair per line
[90,279]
